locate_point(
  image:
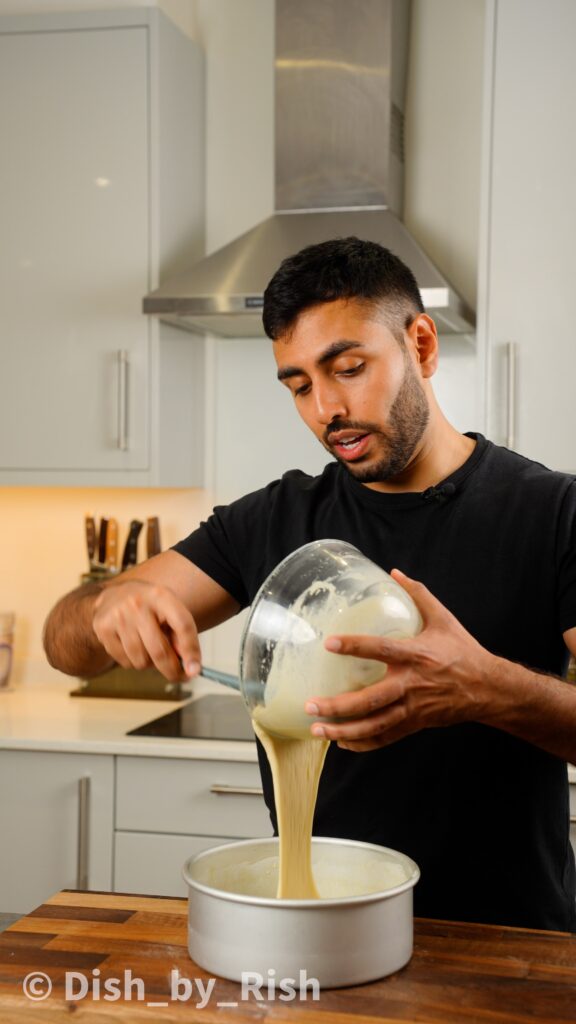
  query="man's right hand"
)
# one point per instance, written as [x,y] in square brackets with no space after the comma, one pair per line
[151,615]
[142,624]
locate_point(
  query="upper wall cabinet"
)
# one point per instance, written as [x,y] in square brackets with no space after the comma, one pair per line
[526,314]
[101,121]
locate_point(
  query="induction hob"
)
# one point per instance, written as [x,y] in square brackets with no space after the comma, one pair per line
[207,718]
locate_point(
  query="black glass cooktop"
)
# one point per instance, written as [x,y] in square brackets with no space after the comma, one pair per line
[207,718]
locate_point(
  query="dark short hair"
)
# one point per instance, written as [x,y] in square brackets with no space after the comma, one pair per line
[342,268]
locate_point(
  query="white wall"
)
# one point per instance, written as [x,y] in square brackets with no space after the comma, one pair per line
[238,38]
[443,135]
[443,167]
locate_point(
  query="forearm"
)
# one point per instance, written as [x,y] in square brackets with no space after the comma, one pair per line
[535,707]
[70,642]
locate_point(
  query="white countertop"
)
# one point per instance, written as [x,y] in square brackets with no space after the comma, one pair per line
[47,718]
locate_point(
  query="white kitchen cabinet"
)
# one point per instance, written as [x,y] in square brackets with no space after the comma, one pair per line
[151,863]
[528,227]
[169,809]
[102,192]
[57,825]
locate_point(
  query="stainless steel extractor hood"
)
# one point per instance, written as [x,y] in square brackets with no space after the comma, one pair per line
[340,74]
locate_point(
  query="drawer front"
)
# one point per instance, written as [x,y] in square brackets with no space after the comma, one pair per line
[186,797]
[151,864]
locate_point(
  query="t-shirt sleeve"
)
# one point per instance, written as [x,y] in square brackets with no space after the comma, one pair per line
[229,545]
[566,560]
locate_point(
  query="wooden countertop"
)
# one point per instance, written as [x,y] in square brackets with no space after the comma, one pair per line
[459,974]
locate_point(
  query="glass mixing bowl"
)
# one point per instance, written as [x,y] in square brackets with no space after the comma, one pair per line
[323,588]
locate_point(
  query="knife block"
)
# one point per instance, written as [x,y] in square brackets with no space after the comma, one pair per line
[97,575]
[131,684]
[124,683]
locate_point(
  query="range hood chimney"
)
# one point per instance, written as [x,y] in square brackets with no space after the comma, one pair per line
[340,76]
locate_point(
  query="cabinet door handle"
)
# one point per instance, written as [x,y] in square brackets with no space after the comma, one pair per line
[573,819]
[82,870]
[511,357]
[237,790]
[122,433]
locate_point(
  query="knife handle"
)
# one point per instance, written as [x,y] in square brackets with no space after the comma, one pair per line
[112,546]
[102,541]
[153,546]
[90,537]
[130,556]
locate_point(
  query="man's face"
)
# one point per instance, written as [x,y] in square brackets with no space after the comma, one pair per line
[356,387]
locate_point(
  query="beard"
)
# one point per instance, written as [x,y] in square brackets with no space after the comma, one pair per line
[396,444]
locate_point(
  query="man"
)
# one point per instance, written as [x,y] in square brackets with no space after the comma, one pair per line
[458,756]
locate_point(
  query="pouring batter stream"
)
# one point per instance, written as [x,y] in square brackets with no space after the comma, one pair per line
[296,766]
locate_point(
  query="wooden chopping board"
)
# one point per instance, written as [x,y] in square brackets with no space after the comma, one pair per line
[459,974]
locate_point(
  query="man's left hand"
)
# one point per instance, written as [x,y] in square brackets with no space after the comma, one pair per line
[437,678]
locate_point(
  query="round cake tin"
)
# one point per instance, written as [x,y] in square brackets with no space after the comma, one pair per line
[338,941]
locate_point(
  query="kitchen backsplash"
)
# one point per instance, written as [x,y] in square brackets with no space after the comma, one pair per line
[43,551]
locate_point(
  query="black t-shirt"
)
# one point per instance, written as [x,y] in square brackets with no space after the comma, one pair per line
[484,814]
